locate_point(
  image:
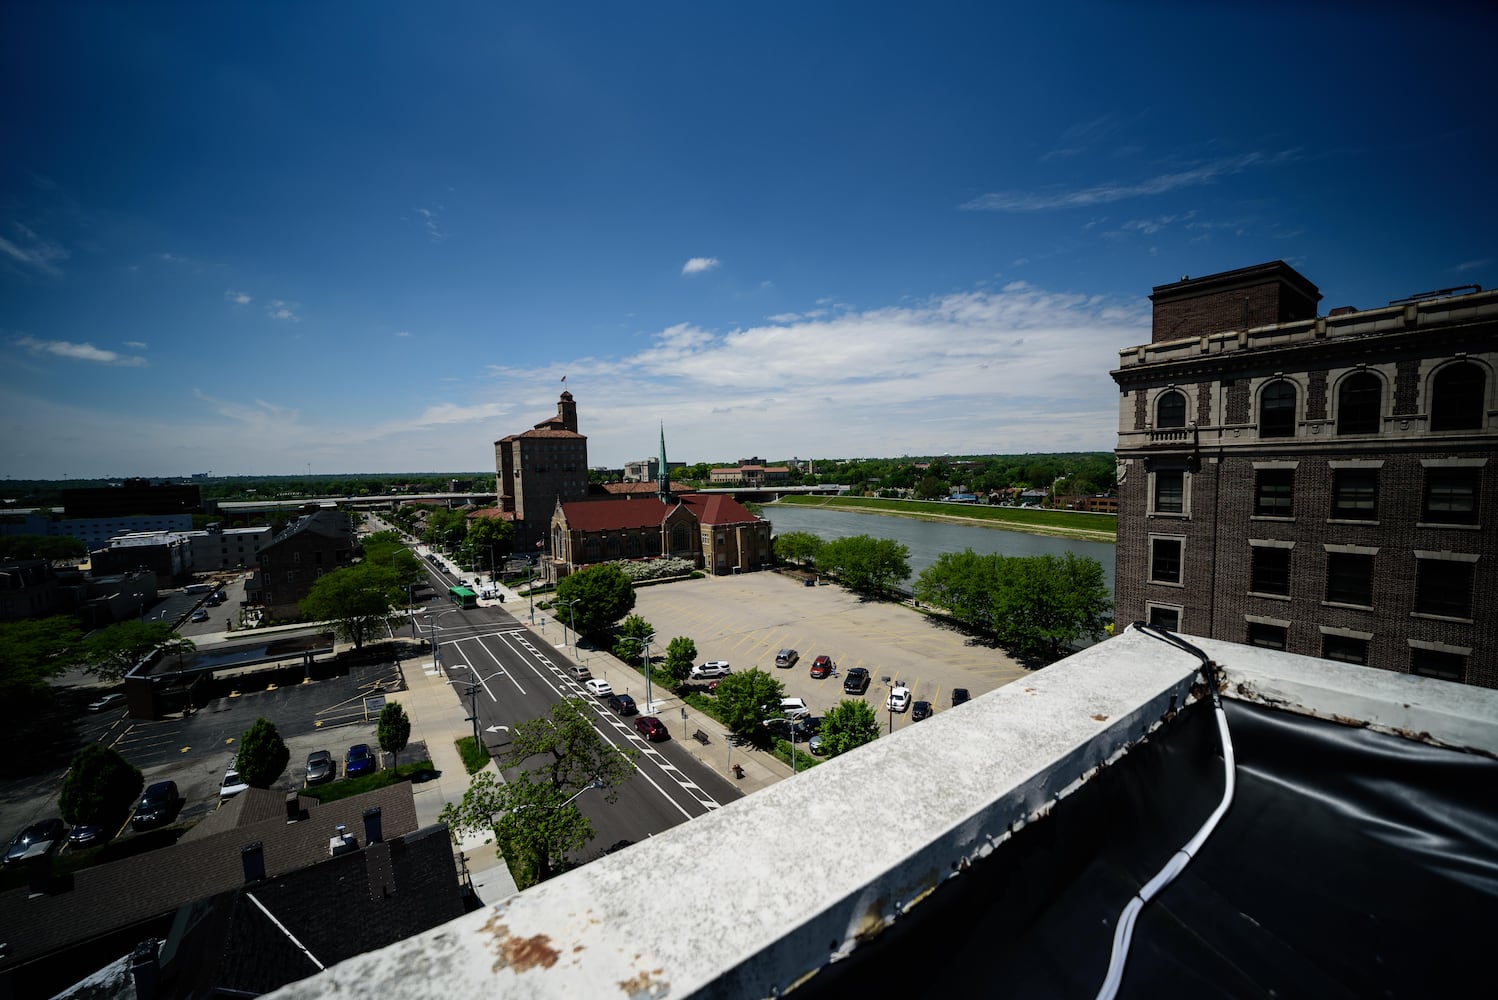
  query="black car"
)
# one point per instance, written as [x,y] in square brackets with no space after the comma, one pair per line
[960,695]
[857,681]
[38,838]
[920,710]
[622,704]
[157,806]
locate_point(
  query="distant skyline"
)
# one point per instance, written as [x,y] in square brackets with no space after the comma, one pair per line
[375,238]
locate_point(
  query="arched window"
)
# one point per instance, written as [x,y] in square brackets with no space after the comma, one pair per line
[1360,404]
[680,538]
[1457,395]
[1277,410]
[1170,410]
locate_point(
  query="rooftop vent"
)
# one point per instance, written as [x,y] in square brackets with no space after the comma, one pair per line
[341,842]
[252,856]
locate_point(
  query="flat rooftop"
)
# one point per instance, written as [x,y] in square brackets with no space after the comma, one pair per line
[991,849]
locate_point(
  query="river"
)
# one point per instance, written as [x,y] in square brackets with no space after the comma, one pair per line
[927,540]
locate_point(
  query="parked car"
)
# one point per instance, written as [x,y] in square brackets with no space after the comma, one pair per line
[815,744]
[108,701]
[233,783]
[794,708]
[157,807]
[198,616]
[787,658]
[321,767]
[651,728]
[622,704]
[712,668]
[960,695]
[920,710]
[822,666]
[85,835]
[899,699]
[37,839]
[599,688]
[359,760]
[580,672]
[857,681]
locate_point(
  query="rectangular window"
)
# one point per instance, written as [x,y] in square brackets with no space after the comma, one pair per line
[1268,636]
[1451,495]
[1170,491]
[1355,494]
[1274,493]
[1165,560]
[1349,578]
[1344,649]
[291,576]
[1165,617]
[1443,587]
[1271,571]
[1438,663]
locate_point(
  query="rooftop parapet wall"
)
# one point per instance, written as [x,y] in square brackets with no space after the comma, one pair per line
[1433,314]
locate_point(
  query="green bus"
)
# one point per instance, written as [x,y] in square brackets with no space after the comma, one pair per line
[463,597]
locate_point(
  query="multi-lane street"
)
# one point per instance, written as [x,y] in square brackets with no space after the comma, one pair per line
[509,674]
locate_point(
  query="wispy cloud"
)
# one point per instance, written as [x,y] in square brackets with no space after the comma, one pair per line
[1151,226]
[403,333]
[1100,194]
[136,345]
[238,298]
[699,264]
[429,222]
[79,352]
[32,250]
[1472,265]
[283,310]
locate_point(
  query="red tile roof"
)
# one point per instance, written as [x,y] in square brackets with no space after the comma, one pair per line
[615,513]
[716,508]
[620,488]
[495,513]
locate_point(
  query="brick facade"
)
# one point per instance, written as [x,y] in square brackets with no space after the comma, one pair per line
[1281,516]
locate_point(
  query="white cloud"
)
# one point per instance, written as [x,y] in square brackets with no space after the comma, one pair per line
[138,345]
[283,310]
[32,250]
[429,222]
[1472,265]
[238,298]
[1032,201]
[699,264]
[79,352]
[403,333]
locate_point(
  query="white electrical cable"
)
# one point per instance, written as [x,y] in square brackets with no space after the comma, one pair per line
[1123,934]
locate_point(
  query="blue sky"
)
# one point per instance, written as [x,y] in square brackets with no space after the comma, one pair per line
[263,238]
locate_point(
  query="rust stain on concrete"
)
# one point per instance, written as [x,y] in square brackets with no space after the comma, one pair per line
[520,953]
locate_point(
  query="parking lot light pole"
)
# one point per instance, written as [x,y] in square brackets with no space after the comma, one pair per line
[645,642]
[572,616]
[791,725]
[889,703]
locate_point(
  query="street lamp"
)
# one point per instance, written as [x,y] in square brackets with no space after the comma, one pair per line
[889,703]
[572,616]
[590,786]
[792,724]
[473,699]
[645,642]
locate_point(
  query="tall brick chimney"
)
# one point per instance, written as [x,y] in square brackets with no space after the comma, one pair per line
[1262,295]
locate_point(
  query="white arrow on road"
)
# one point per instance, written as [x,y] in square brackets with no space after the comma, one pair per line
[497,729]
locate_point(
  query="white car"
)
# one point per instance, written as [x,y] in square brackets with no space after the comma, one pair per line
[712,668]
[233,783]
[794,708]
[599,687]
[107,702]
[899,699]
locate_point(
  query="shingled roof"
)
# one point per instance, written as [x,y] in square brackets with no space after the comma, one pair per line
[615,513]
[718,508]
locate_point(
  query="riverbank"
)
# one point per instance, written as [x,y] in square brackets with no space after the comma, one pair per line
[1039,522]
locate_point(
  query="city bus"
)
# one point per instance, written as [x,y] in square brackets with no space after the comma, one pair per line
[463,597]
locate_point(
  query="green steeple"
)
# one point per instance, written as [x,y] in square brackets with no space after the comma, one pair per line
[663,474]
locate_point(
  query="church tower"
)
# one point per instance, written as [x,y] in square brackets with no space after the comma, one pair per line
[663,472]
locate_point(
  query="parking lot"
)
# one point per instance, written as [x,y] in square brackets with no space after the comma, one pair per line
[747,619]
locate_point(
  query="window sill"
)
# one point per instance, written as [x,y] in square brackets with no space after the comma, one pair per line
[1171,515]
[1340,604]
[1166,583]
[1373,523]
[1427,616]
[1269,597]
[1442,526]
[1272,517]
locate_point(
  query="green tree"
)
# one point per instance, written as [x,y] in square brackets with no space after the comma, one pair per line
[745,700]
[34,651]
[385,548]
[1048,602]
[56,547]
[797,546]
[603,594]
[358,600]
[866,565]
[929,487]
[532,814]
[629,641]
[489,540]
[394,731]
[680,654]
[847,725]
[262,754]
[99,787]
[111,652]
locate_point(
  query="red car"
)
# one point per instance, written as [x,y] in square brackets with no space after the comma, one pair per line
[822,666]
[651,728]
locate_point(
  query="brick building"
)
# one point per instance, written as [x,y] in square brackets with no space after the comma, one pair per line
[291,562]
[1320,484]
[537,469]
